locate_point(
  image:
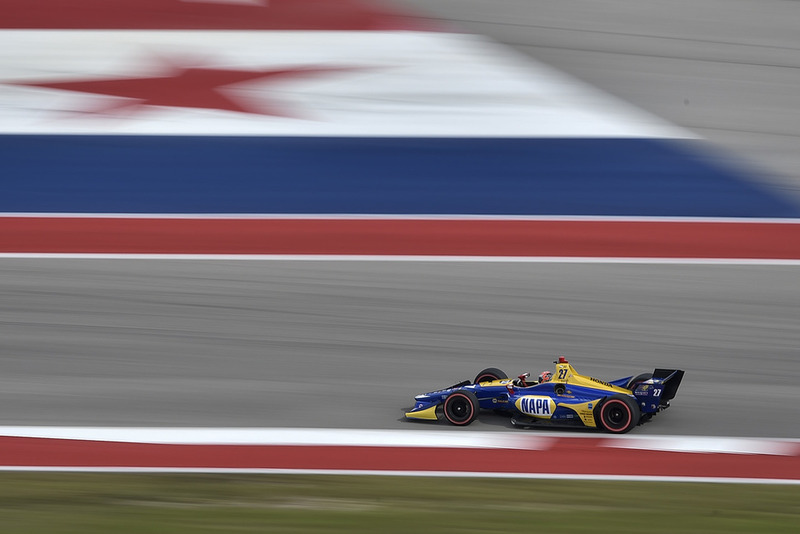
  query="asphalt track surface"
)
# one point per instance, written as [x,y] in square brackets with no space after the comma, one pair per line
[727,70]
[347,344]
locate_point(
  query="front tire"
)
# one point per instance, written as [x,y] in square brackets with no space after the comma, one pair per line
[489,374]
[618,414]
[461,408]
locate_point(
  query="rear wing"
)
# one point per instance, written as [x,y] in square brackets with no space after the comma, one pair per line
[670,380]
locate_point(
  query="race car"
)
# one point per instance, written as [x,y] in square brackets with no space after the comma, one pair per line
[563,398]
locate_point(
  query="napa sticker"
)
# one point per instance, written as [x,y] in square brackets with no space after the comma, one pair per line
[536,405]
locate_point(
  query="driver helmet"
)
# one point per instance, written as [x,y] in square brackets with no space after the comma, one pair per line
[546,376]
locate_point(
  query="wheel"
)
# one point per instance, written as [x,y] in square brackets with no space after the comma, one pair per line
[491,373]
[461,408]
[618,414]
[636,380]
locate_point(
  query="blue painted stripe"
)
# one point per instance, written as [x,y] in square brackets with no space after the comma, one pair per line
[154,174]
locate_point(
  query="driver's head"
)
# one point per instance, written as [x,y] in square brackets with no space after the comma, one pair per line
[547,376]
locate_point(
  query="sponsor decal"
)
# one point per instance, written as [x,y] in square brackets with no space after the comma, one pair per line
[600,382]
[536,406]
[646,391]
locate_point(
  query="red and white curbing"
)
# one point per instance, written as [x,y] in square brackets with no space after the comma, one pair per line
[400,452]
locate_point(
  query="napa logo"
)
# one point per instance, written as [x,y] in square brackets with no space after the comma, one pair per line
[536,405]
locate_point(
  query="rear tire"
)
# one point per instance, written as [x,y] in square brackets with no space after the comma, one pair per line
[461,408]
[636,380]
[618,414]
[489,374]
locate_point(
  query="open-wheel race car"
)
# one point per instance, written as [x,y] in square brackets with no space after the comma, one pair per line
[563,398]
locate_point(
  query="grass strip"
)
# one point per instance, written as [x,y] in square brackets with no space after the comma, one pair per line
[87,503]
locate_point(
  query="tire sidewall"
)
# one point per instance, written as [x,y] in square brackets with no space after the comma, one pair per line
[456,398]
[615,406]
[493,372]
[638,379]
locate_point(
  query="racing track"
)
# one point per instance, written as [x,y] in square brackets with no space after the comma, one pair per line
[728,70]
[346,344]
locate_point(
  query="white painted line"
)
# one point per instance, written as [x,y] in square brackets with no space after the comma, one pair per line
[400,258]
[438,474]
[397,217]
[702,444]
[286,436]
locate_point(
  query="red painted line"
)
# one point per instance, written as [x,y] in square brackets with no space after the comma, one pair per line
[568,456]
[202,15]
[429,237]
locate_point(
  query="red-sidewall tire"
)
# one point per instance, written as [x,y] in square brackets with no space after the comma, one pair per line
[461,408]
[618,414]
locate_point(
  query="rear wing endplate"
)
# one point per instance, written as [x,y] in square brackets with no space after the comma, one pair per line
[671,379]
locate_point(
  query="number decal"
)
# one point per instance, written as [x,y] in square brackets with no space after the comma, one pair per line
[562,373]
[657,392]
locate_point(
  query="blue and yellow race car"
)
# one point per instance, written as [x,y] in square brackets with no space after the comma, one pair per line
[563,398]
